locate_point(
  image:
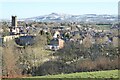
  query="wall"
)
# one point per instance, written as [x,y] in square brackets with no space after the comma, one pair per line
[61,43]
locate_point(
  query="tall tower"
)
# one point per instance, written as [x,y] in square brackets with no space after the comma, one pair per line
[14,21]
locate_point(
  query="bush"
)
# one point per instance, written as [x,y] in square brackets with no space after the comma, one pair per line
[102,63]
[53,67]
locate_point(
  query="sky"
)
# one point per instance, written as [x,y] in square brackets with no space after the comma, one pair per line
[32,8]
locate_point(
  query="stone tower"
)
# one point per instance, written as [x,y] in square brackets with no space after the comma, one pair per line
[14,21]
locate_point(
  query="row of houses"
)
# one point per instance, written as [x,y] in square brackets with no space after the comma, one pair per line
[87,37]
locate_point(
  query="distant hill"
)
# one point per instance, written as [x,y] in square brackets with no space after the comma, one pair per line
[55,17]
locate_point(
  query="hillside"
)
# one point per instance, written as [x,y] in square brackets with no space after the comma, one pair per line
[56,17]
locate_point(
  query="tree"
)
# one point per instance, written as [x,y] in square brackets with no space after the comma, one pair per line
[5,29]
[12,70]
[49,37]
[87,42]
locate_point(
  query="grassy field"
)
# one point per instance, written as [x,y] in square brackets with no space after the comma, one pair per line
[104,27]
[100,75]
[96,74]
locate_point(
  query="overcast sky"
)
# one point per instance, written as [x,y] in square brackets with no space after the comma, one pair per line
[32,8]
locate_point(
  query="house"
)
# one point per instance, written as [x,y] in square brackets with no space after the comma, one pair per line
[56,34]
[56,44]
[14,30]
[25,40]
[59,28]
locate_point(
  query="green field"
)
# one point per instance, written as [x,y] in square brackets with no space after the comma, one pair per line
[104,27]
[102,75]
[96,74]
